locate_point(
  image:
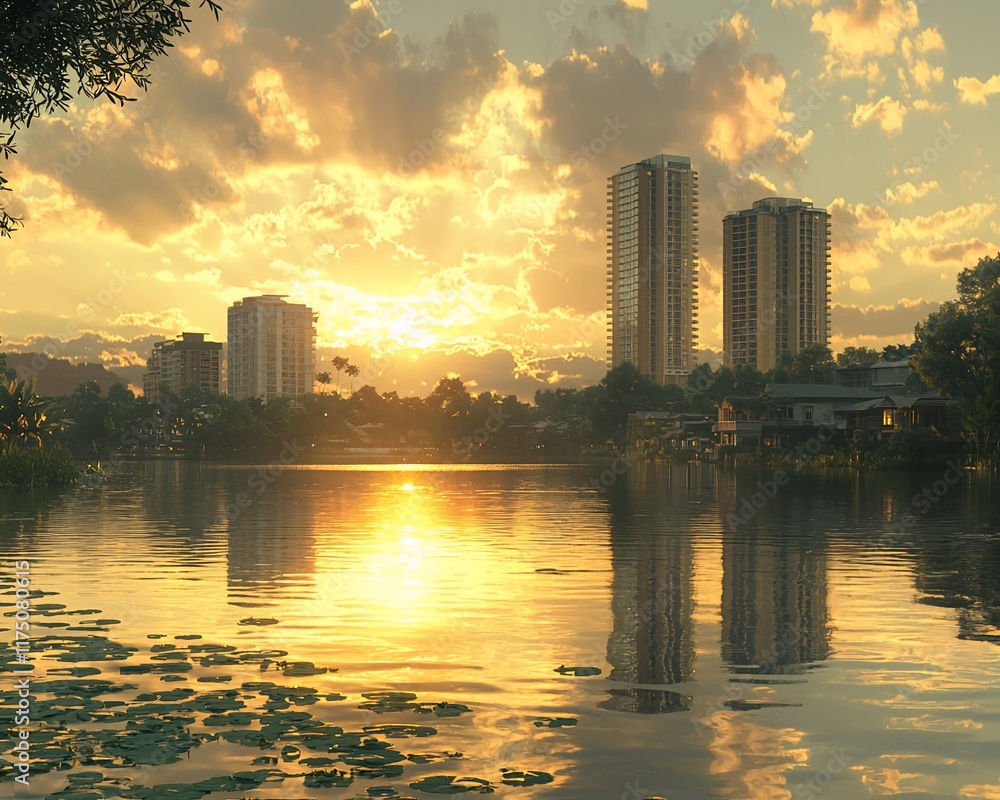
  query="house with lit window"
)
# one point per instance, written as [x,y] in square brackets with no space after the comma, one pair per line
[791,414]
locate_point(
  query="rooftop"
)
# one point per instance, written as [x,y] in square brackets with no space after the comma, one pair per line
[776,205]
[817,391]
[677,162]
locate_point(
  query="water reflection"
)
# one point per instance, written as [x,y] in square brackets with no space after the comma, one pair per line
[270,545]
[957,566]
[23,512]
[775,616]
[470,587]
[652,588]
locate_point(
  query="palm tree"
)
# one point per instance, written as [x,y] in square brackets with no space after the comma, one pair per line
[324,379]
[22,413]
[353,371]
[339,362]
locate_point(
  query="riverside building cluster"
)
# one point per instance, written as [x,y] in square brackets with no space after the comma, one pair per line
[272,353]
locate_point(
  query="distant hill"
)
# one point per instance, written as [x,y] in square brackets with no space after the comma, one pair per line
[57,375]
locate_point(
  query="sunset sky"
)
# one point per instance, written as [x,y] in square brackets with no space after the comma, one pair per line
[429,175]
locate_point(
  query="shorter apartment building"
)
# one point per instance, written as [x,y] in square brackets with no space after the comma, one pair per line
[180,363]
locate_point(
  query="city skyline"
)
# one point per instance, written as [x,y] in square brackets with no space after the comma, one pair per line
[433,189]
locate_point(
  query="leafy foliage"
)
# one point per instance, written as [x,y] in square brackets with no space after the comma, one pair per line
[35,467]
[812,364]
[858,357]
[6,372]
[100,45]
[25,424]
[623,391]
[958,354]
[23,414]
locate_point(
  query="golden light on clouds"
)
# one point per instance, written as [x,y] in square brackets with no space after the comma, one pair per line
[886,112]
[436,187]
[975,92]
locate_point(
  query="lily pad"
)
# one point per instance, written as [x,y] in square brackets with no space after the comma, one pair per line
[555,722]
[303,668]
[526,778]
[451,784]
[261,655]
[318,761]
[579,672]
[169,696]
[218,660]
[756,705]
[449,709]
[327,780]
[76,672]
[389,702]
[400,731]
[390,771]
[258,621]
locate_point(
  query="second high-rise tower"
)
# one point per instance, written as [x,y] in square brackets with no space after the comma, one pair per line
[776,287]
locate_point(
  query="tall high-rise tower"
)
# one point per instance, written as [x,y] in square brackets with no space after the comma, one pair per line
[272,348]
[653,267]
[776,281]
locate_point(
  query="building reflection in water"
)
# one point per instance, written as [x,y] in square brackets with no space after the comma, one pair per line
[775,617]
[652,603]
[182,500]
[957,556]
[271,543]
[201,514]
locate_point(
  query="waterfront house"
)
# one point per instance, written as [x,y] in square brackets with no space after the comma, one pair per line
[790,414]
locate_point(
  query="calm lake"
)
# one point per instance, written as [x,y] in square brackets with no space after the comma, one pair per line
[398,632]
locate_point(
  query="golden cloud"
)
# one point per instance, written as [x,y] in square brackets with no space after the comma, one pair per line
[887,112]
[974,92]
